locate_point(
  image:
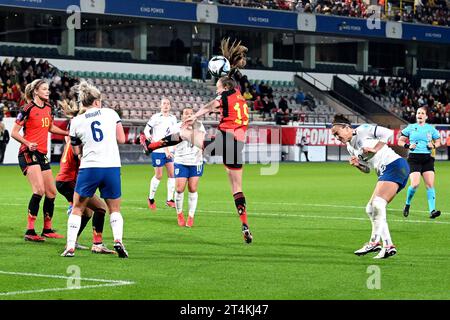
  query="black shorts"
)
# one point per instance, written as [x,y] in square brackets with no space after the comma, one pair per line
[31,158]
[420,162]
[66,188]
[230,149]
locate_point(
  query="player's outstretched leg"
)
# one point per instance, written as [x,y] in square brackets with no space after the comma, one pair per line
[239,201]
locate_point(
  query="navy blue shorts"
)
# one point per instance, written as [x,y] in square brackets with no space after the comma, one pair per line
[107,180]
[398,172]
[159,159]
[183,171]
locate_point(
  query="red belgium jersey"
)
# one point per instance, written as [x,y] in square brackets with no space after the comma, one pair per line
[234,113]
[36,122]
[69,166]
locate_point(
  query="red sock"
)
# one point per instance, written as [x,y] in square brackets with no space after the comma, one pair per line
[243,218]
[31,221]
[47,222]
[98,238]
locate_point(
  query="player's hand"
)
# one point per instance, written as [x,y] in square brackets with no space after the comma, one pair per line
[412,146]
[366,150]
[354,161]
[32,146]
[430,145]
[190,120]
[169,155]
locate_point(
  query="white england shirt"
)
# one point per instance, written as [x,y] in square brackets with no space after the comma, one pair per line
[367,136]
[96,129]
[188,154]
[160,126]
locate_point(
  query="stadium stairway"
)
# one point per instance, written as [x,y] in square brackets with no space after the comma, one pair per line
[371,109]
[324,95]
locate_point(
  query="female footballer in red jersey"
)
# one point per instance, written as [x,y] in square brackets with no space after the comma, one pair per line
[37,121]
[230,138]
[66,180]
[229,142]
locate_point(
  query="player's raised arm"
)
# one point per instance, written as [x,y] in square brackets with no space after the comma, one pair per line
[212,106]
[57,130]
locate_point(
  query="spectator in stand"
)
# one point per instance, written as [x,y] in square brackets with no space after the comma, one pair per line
[266,108]
[300,97]
[258,104]
[446,119]
[310,102]
[247,95]
[283,104]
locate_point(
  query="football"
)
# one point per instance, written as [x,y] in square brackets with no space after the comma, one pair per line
[219,66]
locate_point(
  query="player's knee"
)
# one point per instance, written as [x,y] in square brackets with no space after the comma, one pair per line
[158,175]
[414,185]
[40,190]
[50,193]
[192,189]
[179,189]
[369,209]
[379,205]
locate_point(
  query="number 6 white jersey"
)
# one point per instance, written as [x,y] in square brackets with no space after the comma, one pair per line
[367,136]
[96,130]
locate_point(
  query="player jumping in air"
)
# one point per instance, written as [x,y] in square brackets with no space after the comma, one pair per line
[367,146]
[229,142]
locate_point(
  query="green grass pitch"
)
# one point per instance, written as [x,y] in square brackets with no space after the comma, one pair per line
[306,220]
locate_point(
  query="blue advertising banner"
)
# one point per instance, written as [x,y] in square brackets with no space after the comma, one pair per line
[153,9]
[428,33]
[350,26]
[257,18]
[247,17]
[41,4]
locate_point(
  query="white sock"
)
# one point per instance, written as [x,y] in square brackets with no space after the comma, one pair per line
[73,226]
[369,211]
[154,183]
[179,197]
[379,214]
[170,188]
[193,197]
[116,222]
[386,235]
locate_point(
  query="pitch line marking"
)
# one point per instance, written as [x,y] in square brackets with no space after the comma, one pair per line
[271,203]
[299,215]
[107,283]
[256,213]
[309,205]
